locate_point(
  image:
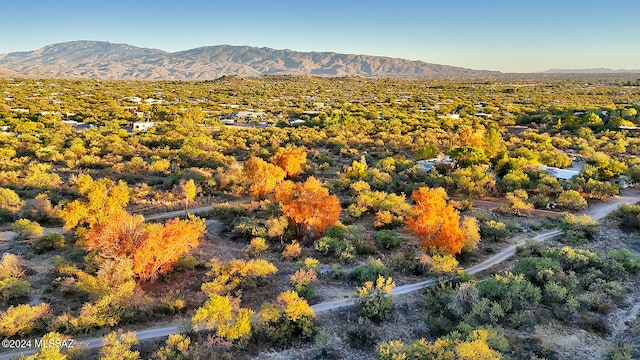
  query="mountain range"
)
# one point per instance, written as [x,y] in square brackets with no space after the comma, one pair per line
[106,60]
[591,71]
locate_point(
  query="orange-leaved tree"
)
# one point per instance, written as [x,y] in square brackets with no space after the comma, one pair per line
[262,176]
[308,205]
[152,248]
[290,159]
[434,222]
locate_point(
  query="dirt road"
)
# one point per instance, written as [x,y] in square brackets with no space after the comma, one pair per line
[597,212]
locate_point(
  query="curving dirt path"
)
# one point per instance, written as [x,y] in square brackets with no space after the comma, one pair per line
[597,212]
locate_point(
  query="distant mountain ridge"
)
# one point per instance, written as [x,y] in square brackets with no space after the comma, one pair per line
[106,60]
[590,71]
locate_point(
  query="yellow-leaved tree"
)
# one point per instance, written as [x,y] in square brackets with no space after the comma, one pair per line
[224,315]
[262,176]
[289,317]
[290,159]
[100,200]
[189,190]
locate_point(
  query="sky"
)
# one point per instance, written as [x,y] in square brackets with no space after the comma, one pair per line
[502,35]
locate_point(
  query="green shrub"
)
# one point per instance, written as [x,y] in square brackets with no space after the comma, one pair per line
[531,248]
[228,213]
[405,264]
[48,242]
[574,259]
[630,223]
[513,292]
[336,272]
[554,293]
[365,247]
[387,239]
[249,228]
[607,289]
[625,258]
[538,270]
[375,298]
[187,263]
[172,303]
[624,352]
[336,231]
[539,201]
[485,312]
[6,216]
[575,237]
[343,249]
[626,210]
[494,230]
[578,229]
[302,280]
[289,318]
[27,229]
[360,334]
[571,200]
[12,288]
[372,270]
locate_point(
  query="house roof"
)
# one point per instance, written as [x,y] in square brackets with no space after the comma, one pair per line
[562,174]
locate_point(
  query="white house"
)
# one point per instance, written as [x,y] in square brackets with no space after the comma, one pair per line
[143,125]
[428,164]
[296,121]
[560,174]
[77,125]
[132,99]
[626,127]
[449,116]
[249,114]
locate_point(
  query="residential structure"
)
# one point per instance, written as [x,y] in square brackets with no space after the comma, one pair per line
[428,164]
[77,125]
[143,125]
[560,174]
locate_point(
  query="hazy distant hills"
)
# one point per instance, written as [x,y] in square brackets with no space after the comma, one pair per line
[590,71]
[105,60]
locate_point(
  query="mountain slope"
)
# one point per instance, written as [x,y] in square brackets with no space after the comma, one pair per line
[9,73]
[98,59]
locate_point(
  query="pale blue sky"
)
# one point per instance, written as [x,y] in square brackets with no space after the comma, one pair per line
[504,35]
